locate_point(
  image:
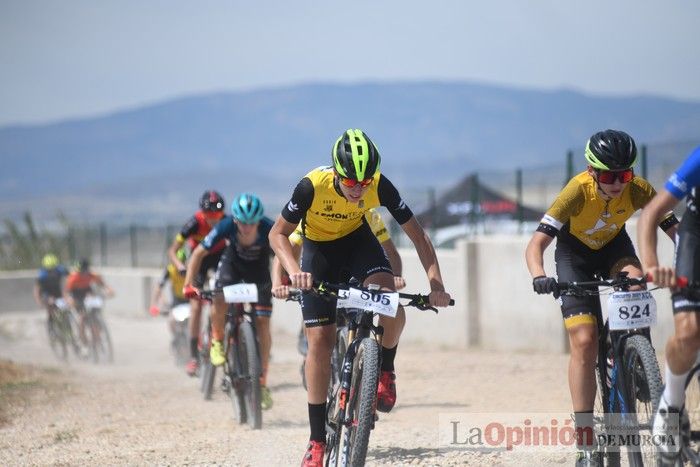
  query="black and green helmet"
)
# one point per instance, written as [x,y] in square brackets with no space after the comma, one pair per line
[611,150]
[355,156]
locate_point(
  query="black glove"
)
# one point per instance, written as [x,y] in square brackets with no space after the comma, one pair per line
[545,285]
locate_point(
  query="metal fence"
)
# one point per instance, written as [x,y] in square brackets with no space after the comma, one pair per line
[141,246]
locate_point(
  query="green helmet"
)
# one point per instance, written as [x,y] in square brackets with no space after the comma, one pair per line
[49,261]
[355,156]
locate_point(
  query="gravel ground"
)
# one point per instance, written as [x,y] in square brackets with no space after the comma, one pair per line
[143,410]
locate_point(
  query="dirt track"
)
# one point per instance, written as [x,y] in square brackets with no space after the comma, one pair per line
[144,410]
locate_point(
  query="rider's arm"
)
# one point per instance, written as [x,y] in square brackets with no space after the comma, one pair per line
[194,263]
[534,253]
[292,213]
[278,273]
[172,252]
[187,230]
[647,238]
[37,294]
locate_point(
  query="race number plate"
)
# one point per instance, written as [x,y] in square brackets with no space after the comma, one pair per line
[631,310]
[181,312]
[241,293]
[384,303]
[93,301]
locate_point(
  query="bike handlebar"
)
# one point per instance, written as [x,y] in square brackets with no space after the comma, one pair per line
[419,301]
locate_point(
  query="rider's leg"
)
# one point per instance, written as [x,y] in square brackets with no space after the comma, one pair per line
[262,324]
[195,322]
[318,374]
[681,353]
[583,341]
[392,326]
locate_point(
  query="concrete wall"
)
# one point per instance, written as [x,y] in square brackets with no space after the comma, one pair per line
[495,305]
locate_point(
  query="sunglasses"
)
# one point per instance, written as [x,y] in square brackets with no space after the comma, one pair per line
[351,183]
[608,177]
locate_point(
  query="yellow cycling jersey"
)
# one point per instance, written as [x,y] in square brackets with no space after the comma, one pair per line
[593,220]
[177,281]
[373,218]
[330,215]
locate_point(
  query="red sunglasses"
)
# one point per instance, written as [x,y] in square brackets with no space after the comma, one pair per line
[351,183]
[608,177]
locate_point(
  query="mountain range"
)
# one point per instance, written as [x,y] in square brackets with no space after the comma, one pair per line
[150,164]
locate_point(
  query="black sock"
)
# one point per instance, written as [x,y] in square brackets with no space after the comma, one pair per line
[585,439]
[194,347]
[317,422]
[388,358]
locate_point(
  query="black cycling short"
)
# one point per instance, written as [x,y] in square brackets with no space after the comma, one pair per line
[209,262]
[576,262]
[687,264]
[358,254]
[233,270]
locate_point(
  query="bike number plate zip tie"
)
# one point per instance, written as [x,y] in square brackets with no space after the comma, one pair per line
[241,293]
[631,310]
[383,303]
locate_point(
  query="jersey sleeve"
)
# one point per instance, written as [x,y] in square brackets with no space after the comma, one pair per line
[220,231]
[686,177]
[301,200]
[389,198]
[569,203]
[188,229]
[641,192]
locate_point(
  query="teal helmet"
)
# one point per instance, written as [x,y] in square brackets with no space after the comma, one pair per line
[247,208]
[355,156]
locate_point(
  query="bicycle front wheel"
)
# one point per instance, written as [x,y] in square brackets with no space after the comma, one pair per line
[363,400]
[643,390]
[251,369]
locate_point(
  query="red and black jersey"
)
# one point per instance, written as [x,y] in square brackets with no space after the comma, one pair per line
[194,231]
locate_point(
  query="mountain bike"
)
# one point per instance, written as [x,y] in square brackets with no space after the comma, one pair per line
[352,397]
[243,366]
[97,337]
[61,328]
[627,372]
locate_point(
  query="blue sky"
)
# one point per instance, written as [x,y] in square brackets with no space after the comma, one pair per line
[68,59]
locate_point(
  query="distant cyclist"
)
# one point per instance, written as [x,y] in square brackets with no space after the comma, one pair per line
[245,259]
[211,211]
[681,348]
[49,284]
[79,284]
[588,220]
[177,281]
[330,203]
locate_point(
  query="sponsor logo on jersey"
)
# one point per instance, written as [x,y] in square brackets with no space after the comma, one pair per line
[292,207]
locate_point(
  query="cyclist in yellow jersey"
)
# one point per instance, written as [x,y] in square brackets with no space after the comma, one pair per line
[330,203]
[588,219]
[280,284]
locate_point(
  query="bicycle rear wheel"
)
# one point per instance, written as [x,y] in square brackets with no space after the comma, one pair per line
[363,401]
[251,369]
[643,390]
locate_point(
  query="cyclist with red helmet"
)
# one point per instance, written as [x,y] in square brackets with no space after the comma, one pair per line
[330,203]
[211,210]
